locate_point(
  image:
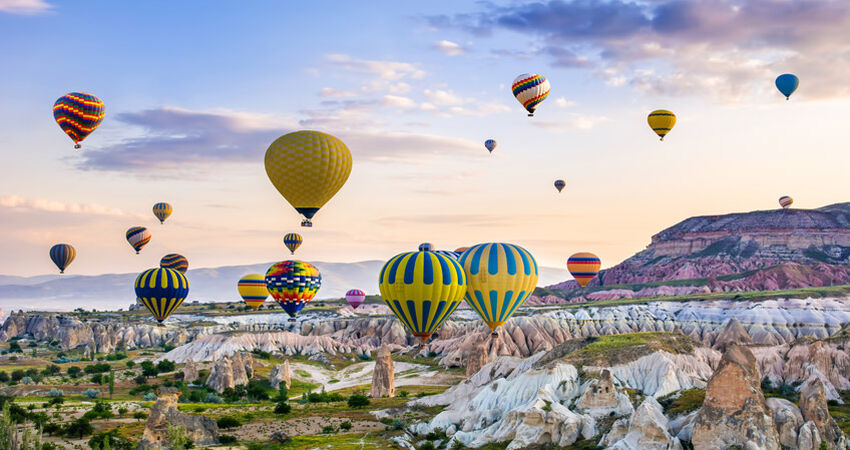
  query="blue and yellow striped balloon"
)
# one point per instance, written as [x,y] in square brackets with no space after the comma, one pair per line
[62,255]
[162,210]
[422,289]
[500,278]
[161,291]
[292,241]
[174,261]
[252,288]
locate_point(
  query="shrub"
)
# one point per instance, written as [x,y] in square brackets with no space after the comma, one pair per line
[55,393]
[122,410]
[150,397]
[4,377]
[213,398]
[140,380]
[227,422]
[97,368]
[261,354]
[91,393]
[116,357]
[364,356]
[165,366]
[148,369]
[78,428]
[96,378]
[403,394]
[226,439]
[17,375]
[130,363]
[51,369]
[26,380]
[101,410]
[14,347]
[358,401]
[282,393]
[282,408]
[257,390]
[140,415]
[51,428]
[345,426]
[427,445]
[112,440]
[74,372]
[328,429]
[398,424]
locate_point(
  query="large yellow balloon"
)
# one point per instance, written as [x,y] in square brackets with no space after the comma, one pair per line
[661,121]
[308,168]
[499,278]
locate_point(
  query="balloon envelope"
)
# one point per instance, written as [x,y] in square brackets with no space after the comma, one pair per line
[252,288]
[162,210]
[661,121]
[161,291]
[422,289]
[490,145]
[355,297]
[293,284]
[308,168]
[559,185]
[174,261]
[138,237]
[78,114]
[787,83]
[785,201]
[292,241]
[500,277]
[584,266]
[62,255]
[530,89]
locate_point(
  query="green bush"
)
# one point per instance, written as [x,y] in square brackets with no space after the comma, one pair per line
[282,408]
[213,398]
[227,422]
[17,375]
[91,393]
[116,357]
[328,429]
[112,439]
[345,426]
[139,415]
[358,401]
[78,428]
[257,389]
[130,363]
[150,397]
[165,366]
[74,372]
[96,378]
[226,439]
[97,368]
[14,347]
[101,410]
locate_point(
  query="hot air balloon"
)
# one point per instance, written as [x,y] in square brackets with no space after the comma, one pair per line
[490,144]
[161,291]
[460,250]
[583,267]
[661,121]
[292,241]
[530,89]
[138,237]
[787,83]
[78,114]
[785,202]
[355,297]
[559,185]
[426,247]
[422,289]
[252,288]
[308,168]
[174,261]
[293,284]
[501,277]
[162,210]
[62,255]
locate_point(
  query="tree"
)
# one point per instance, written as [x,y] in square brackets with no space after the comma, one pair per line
[282,393]
[358,401]
[110,440]
[80,427]
[139,415]
[111,383]
[148,369]
[228,422]
[130,363]
[282,408]
[165,366]
[345,426]
[177,438]
[97,378]
[14,347]
[91,393]
[4,377]
[74,372]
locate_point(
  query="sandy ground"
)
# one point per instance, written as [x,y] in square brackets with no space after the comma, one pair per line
[298,426]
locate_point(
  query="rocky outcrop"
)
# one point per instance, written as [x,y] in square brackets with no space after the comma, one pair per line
[476,359]
[648,430]
[808,437]
[661,373]
[787,418]
[280,374]
[190,371]
[229,372]
[383,378]
[734,411]
[814,409]
[733,333]
[201,430]
[805,361]
[600,397]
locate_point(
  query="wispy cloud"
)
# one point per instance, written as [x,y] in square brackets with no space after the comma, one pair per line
[449,48]
[387,70]
[23,203]
[336,93]
[25,7]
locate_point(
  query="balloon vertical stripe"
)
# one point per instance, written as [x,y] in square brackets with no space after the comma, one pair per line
[62,255]
[161,291]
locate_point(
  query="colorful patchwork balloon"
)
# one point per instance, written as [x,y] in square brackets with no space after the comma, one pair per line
[355,297]
[252,288]
[162,210]
[584,266]
[501,277]
[661,121]
[138,237]
[78,114]
[62,255]
[422,289]
[161,291]
[174,261]
[293,284]
[530,89]
[292,241]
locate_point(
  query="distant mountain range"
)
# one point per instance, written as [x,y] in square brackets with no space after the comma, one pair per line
[759,250]
[113,291]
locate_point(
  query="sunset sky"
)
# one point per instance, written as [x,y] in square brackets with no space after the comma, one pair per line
[196,91]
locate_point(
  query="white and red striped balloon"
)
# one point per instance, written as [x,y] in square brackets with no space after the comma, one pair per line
[355,297]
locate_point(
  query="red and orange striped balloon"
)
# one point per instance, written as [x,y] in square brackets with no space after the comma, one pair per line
[584,266]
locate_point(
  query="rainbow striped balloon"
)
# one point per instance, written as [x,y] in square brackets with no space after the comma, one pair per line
[78,114]
[162,210]
[292,241]
[584,267]
[161,291]
[252,288]
[138,237]
[530,89]
[174,261]
[355,297]
[62,255]
[293,284]
[785,201]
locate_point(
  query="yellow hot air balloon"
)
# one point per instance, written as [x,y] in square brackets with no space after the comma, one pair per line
[308,168]
[252,288]
[499,277]
[661,121]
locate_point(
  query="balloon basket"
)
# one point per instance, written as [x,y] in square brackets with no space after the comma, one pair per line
[494,334]
[77,146]
[292,319]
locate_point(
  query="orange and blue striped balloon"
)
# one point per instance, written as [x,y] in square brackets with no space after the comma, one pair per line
[584,266]
[292,241]
[785,201]
[293,284]
[78,114]
[252,288]
[138,237]
[62,255]
[174,261]
[161,291]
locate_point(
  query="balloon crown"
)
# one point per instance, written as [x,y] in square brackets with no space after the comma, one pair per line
[426,247]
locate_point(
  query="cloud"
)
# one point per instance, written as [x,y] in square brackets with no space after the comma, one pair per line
[25,7]
[445,98]
[334,93]
[396,101]
[721,48]
[386,70]
[564,103]
[575,121]
[449,48]
[22,203]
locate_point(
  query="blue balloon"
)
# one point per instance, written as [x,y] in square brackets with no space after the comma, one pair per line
[787,83]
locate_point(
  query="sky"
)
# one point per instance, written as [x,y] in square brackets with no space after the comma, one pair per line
[196,91]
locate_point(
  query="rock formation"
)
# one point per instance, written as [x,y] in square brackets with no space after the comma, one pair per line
[280,374]
[808,438]
[383,378]
[733,333]
[787,418]
[476,358]
[814,409]
[201,430]
[600,397]
[228,372]
[647,430]
[190,371]
[734,411]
